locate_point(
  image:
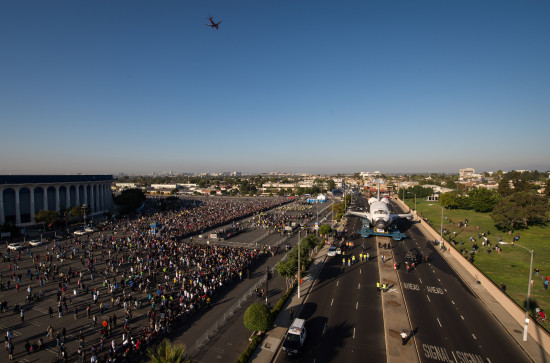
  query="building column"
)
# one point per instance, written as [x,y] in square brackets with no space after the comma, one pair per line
[77,195]
[2,217]
[32,203]
[105,204]
[92,199]
[85,201]
[45,194]
[57,201]
[67,197]
[100,197]
[17,207]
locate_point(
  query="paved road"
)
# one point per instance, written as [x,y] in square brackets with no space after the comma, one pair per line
[453,325]
[344,310]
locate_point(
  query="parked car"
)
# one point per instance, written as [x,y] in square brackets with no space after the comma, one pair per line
[15,246]
[79,232]
[35,243]
[89,230]
[331,252]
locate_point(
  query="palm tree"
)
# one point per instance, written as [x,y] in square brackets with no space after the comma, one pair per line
[166,352]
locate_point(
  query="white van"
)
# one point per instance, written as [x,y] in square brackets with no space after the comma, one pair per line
[295,337]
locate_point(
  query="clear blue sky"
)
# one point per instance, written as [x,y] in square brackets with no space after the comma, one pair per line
[299,86]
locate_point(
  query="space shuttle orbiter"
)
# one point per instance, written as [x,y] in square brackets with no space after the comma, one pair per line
[379,215]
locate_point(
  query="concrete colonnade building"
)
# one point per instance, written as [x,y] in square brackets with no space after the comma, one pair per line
[22,196]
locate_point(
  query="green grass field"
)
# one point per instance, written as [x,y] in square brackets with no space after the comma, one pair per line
[511,267]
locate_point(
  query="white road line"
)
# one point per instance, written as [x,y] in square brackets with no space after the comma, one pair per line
[332,302]
[324,328]
[359,286]
[453,302]
[51,351]
[359,271]
[428,298]
[474,336]
[34,323]
[337,282]
[357,305]
[41,310]
[462,317]
[420,280]
[353,333]
[439,323]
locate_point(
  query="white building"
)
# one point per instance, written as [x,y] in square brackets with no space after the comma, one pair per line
[22,196]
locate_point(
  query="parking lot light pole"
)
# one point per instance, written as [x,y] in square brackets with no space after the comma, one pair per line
[525,326]
[84,215]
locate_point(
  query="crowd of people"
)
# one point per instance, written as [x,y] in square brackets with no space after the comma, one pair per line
[126,266]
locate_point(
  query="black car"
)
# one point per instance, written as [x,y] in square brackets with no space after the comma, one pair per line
[412,258]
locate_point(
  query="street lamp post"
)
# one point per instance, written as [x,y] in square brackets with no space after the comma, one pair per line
[266,285]
[414,201]
[441,225]
[525,326]
[299,263]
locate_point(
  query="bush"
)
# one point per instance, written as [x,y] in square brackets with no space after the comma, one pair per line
[279,306]
[257,317]
[245,356]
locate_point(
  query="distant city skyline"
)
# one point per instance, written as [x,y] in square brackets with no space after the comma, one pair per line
[313,86]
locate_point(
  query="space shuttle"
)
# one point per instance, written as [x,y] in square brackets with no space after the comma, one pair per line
[379,216]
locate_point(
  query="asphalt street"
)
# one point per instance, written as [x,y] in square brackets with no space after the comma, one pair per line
[451,324]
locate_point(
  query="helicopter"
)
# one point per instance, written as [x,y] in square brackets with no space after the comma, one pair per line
[212,24]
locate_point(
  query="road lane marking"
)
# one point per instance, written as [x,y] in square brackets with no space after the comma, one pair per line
[324,329]
[34,323]
[359,286]
[337,282]
[462,317]
[332,302]
[356,305]
[428,298]
[353,333]
[420,280]
[439,323]
[360,272]
[453,302]
[474,336]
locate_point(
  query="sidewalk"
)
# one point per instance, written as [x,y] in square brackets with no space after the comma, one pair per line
[394,308]
[270,344]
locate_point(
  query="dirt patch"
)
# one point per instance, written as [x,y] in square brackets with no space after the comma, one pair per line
[395,304]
